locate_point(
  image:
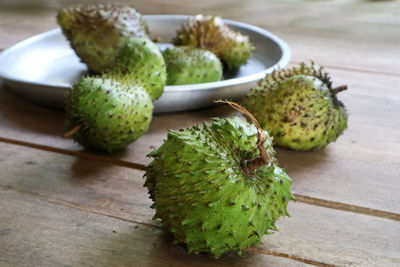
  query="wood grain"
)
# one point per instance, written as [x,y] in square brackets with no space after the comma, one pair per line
[352,34]
[62,205]
[315,234]
[34,232]
[359,169]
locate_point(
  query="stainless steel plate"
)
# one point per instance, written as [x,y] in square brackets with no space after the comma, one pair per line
[44,66]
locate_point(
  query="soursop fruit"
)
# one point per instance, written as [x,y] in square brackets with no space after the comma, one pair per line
[299,107]
[141,62]
[212,189]
[97,32]
[105,115]
[211,33]
[189,65]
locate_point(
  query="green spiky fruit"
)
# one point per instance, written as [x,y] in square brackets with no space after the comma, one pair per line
[211,33]
[140,61]
[299,107]
[189,65]
[97,32]
[204,193]
[108,115]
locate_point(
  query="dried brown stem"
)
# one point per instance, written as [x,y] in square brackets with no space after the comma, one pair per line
[72,131]
[338,89]
[261,138]
[156,39]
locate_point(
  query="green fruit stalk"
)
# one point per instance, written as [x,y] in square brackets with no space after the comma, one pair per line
[218,188]
[299,107]
[211,33]
[189,65]
[98,32]
[106,115]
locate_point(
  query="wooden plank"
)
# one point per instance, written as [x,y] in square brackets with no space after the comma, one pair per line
[359,35]
[337,237]
[366,90]
[354,34]
[34,232]
[24,121]
[359,169]
[76,181]
[38,180]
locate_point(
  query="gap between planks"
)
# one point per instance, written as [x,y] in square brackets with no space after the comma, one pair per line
[289,256]
[300,198]
[98,157]
[64,203]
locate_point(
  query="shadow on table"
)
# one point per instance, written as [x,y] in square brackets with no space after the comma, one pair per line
[178,255]
[152,246]
[25,114]
[87,168]
[298,163]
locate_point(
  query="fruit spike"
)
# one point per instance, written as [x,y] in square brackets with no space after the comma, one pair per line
[106,115]
[140,61]
[299,107]
[97,32]
[189,65]
[219,188]
[109,112]
[211,33]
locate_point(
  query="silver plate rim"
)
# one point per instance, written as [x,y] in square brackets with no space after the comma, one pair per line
[283,61]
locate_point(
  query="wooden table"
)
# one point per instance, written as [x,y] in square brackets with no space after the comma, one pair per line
[63,206]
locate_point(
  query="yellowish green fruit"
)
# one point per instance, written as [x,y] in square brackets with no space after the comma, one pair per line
[189,65]
[106,115]
[211,33]
[299,107]
[140,61]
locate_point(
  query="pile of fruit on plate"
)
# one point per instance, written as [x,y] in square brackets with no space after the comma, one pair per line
[218,187]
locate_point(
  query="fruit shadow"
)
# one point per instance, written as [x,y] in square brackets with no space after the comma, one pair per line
[229,74]
[152,246]
[26,115]
[298,163]
[85,168]
[179,254]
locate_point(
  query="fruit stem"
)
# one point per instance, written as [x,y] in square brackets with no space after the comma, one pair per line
[338,89]
[72,131]
[249,165]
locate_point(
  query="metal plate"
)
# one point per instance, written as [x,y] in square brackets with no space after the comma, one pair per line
[43,67]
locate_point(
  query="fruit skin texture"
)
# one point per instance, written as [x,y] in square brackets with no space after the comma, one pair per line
[141,62]
[211,33]
[189,65]
[110,115]
[203,196]
[97,32]
[298,107]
